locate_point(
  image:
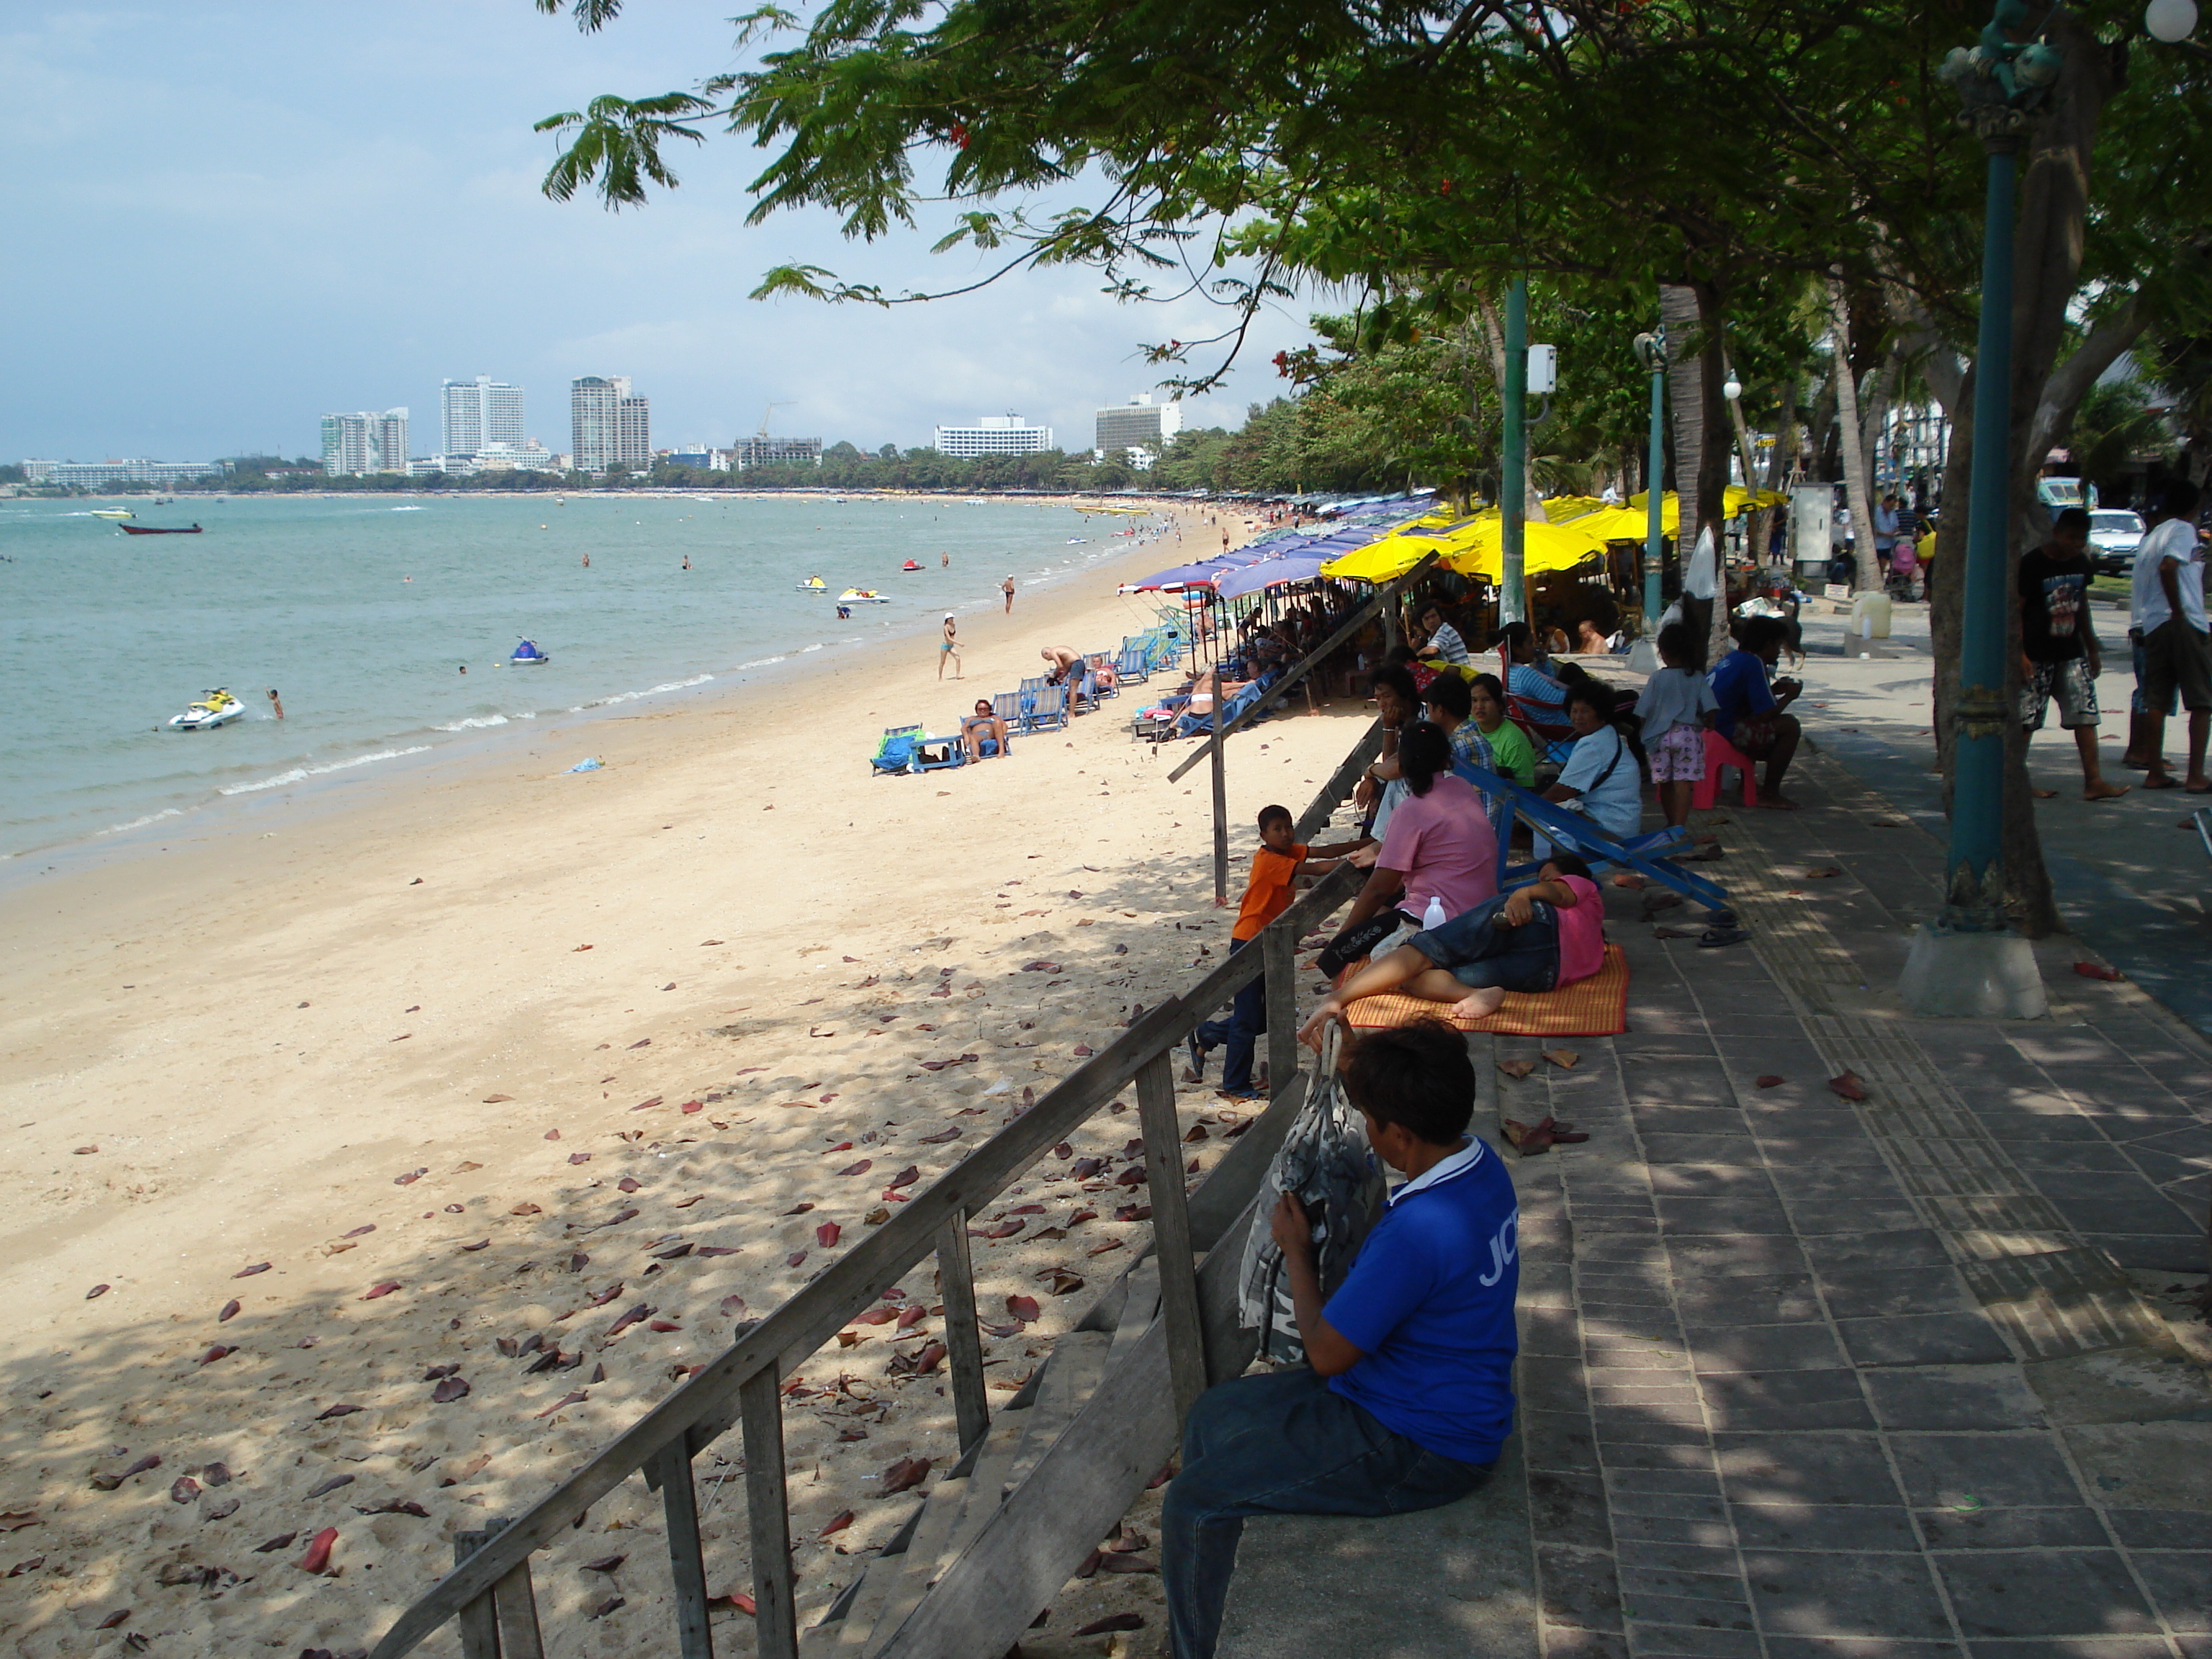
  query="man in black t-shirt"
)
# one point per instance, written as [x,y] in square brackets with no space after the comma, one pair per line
[2059,654]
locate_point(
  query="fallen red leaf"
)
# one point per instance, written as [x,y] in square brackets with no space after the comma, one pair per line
[2098,970]
[827,1233]
[317,1557]
[1849,1085]
[838,1522]
[1770,1080]
[382,1290]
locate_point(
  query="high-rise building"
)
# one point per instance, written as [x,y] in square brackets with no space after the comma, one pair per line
[1141,424]
[366,442]
[995,434]
[609,427]
[97,475]
[482,412]
[761,451]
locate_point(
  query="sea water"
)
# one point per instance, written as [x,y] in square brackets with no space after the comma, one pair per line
[361,611]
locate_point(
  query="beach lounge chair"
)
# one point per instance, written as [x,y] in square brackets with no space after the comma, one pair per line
[1039,707]
[1646,855]
[1132,662]
[1095,688]
[935,754]
[895,750]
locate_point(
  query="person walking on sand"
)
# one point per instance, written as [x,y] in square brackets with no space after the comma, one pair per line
[275,702]
[1006,587]
[2059,653]
[950,647]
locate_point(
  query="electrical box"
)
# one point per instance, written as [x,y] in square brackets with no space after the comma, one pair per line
[1543,370]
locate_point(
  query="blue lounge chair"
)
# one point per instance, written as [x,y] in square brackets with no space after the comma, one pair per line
[935,754]
[1095,690]
[1040,707]
[895,753]
[1646,855]
[1134,663]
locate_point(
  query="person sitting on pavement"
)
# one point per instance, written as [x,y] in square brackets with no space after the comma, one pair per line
[1509,743]
[1603,779]
[1752,715]
[1528,680]
[2059,653]
[983,733]
[1276,866]
[1407,1397]
[1533,939]
[1439,846]
[1444,645]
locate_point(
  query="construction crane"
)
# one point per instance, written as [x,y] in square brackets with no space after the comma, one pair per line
[787,404]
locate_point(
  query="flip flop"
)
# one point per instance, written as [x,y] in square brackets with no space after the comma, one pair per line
[1528,1140]
[2161,780]
[1717,936]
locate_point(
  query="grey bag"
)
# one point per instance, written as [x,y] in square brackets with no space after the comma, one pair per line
[1326,1163]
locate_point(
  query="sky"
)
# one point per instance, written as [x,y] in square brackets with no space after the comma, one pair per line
[223,221]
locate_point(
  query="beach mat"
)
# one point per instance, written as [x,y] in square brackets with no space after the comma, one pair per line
[1596,1006]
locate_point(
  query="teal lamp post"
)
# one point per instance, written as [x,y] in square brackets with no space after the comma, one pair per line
[1651,352]
[1513,465]
[1968,961]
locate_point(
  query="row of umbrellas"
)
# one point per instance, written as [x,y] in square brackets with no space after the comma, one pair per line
[1383,543]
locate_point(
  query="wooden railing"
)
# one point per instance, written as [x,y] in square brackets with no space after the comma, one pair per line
[490,1591]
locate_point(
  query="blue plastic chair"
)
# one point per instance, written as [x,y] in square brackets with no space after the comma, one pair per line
[894,750]
[1134,662]
[1645,854]
[1040,706]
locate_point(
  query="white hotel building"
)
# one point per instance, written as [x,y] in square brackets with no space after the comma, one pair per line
[993,435]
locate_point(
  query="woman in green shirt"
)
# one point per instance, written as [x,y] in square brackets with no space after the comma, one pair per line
[1516,755]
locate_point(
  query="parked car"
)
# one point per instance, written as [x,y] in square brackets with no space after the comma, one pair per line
[2114,535]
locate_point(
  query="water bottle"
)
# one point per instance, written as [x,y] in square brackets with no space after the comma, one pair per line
[1433,917]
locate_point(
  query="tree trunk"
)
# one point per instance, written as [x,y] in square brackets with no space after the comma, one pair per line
[1867,573]
[1784,460]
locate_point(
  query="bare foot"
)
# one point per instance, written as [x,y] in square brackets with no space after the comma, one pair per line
[1628,878]
[2102,791]
[1778,801]
[1478,1004]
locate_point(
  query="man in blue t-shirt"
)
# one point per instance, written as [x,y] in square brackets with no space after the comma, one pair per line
[1409,1397]
[1751,710]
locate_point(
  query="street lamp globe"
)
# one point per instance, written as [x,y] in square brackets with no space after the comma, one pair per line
[2170,21]
[1732,388]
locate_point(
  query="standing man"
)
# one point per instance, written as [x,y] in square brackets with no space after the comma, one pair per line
[1885,532]
[1006,587]
[2059,654]
[277,702]
[2174,653]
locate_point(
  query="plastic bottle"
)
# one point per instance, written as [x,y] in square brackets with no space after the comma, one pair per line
[1433,917]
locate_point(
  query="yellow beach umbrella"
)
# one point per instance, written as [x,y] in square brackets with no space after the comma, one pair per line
[1471,548]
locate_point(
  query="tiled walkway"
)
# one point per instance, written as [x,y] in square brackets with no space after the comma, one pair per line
[1804,1376]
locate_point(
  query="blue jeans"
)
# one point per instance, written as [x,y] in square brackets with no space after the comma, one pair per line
[1482,949]
[1281,1444]
[1248,1020]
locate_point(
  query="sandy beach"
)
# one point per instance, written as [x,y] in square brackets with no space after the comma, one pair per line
[303,1114]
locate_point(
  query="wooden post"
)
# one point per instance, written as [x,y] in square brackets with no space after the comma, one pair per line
[518,1613]
[776,1612]
[1220,804]
[964,1343]
[479,1621]
[1162,1131]
[687,1565]
[1280,953]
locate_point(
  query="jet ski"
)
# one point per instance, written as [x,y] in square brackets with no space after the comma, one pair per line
[527,655]
[812,584]
[861,596]
[910,565]
[216,707]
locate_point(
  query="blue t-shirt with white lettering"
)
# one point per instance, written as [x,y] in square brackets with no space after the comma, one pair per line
[1740,687]
[1429,1304]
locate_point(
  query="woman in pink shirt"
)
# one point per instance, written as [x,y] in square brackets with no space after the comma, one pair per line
[1537,938]
[1439,845]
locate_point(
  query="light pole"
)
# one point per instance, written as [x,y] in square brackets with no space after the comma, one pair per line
[1651,351]
[1968,961]
[1513,469]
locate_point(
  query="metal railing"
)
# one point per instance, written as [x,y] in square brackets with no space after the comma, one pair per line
[488,1590]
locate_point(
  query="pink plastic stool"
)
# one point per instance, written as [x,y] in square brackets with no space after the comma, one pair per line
[1720,752]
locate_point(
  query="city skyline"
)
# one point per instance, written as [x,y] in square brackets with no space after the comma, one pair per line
[281,298]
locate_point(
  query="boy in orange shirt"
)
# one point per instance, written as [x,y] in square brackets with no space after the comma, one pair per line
[1275,867]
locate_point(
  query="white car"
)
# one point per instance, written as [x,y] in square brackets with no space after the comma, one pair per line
[2114,535]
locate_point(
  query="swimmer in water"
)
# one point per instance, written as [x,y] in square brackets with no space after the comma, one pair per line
[587,562]
[687,561]
[275,702]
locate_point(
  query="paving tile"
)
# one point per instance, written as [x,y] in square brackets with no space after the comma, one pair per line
[1827,1594]
[1815,1216]
[1638,1556]
[1946,1471]
[2117,1187]
[1855,1647]
[1641,1581]
[1696,1258]
[2162,1529]
[1551,1384]
[1995,1396]
[1901,1248]
[1712,1531]
[2181,1582]
[1622,1485]
[2176,1253]
[1748,1400]
[1656,1456]
[1619,1429]
[1810,1183]
[1578,1588]
[1800,1347]
[1784,1150]
[1663,1147]
[2074,1647]
[1823,1466]
[2007,1125]
[2152,1214]
[2043,1593]
[1779,1300]
[2032,1156]
[1690,1641]
[1562,1443]
[2012,1530]
[1568,1509]
[1737,1178]
[1870,1291]
[1959,1339]
[1564,1642]
[1723,1216]
[1706,1612]
[1825,1527]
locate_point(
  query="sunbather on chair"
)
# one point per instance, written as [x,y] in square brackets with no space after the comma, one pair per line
[1535,939]
[983,733]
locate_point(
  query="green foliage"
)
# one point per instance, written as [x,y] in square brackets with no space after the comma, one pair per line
[2115,425]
